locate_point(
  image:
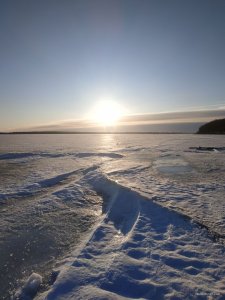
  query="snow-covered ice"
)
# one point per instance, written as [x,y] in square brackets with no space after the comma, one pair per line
[113,217]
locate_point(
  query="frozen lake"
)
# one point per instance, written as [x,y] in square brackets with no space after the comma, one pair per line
[112,216]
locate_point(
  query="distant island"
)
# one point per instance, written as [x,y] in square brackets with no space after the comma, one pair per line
[213,127]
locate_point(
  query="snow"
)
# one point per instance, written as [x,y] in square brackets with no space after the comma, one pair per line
[141,250]
[30,288]
[113,217]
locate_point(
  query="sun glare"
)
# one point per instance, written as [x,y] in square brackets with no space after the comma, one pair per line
[107,113]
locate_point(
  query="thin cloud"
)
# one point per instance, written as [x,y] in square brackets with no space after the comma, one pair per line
[185,116]
[137,121]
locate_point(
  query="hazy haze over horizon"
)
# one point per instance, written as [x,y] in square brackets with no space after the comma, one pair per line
[186,121]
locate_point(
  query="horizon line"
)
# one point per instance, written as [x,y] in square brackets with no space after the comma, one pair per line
[95,132]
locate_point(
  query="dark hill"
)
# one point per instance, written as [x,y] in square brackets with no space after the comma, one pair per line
[213,127]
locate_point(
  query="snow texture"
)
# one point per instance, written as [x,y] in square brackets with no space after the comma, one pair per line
[112,217]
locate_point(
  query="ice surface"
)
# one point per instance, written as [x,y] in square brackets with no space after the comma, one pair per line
[115,216]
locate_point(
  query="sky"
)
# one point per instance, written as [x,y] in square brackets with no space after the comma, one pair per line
[152,57]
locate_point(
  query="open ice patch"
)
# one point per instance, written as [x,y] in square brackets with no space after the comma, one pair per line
[172,165]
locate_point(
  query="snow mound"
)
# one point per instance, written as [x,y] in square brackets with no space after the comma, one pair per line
[141,250]
[30,288]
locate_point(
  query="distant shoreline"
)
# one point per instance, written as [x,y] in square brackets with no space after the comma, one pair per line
[89,132]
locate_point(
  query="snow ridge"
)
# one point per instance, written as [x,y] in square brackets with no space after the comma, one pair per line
[22,155]
[37,187]
[141,250]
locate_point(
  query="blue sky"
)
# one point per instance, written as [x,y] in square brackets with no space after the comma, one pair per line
[58,58]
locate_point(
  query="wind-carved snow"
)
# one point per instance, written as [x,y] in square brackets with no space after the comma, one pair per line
[22,155]
[37,186]
[25,173]
[46,183]
[141,250]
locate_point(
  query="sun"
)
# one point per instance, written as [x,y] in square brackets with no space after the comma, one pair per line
[107,113]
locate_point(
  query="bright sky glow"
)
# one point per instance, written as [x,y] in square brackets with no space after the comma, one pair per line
[106,113]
